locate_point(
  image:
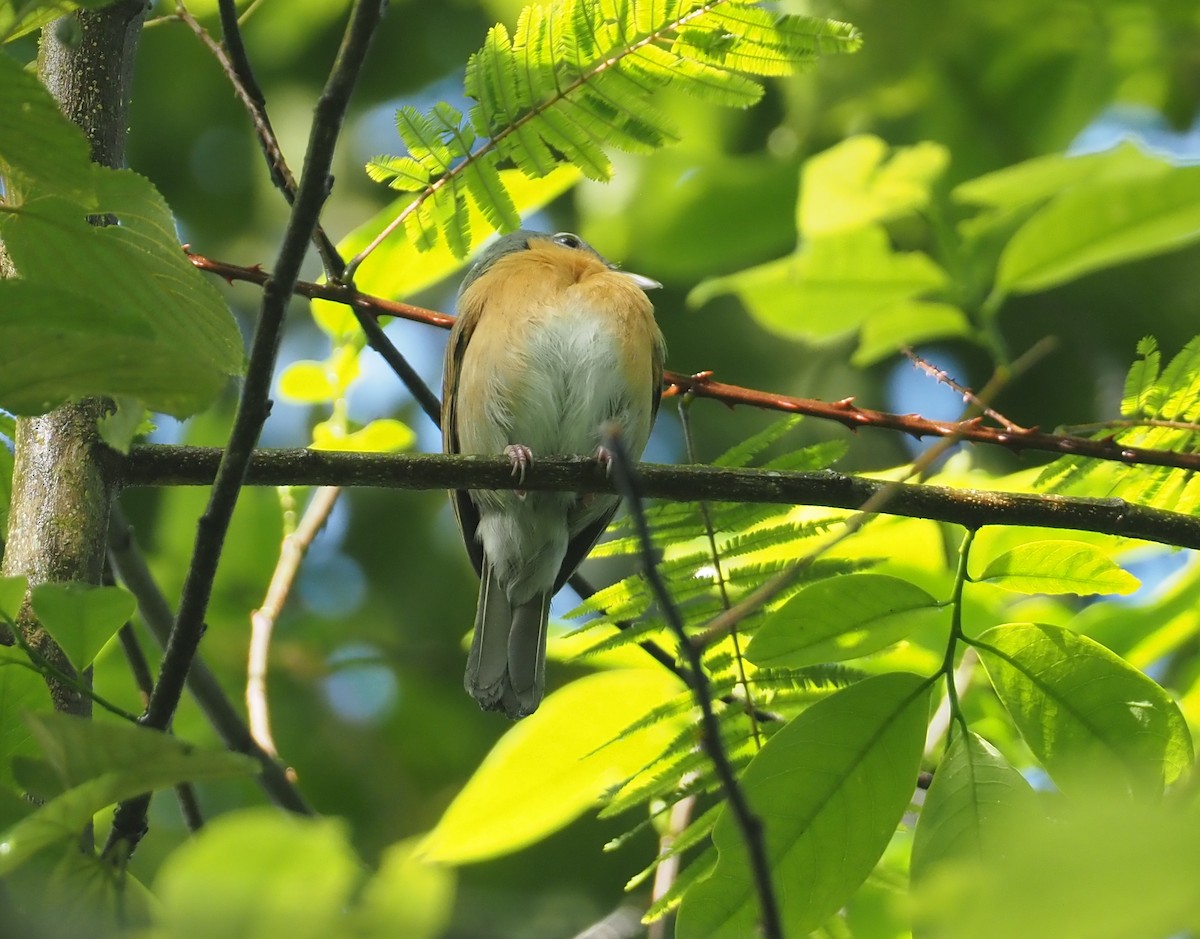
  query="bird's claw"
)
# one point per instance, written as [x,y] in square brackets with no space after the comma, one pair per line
[521,458]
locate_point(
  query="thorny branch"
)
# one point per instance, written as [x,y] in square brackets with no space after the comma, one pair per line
[703,385]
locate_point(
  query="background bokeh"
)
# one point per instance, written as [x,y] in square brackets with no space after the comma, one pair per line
[366,667]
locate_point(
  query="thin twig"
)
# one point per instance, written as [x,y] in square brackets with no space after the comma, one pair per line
[262,621]
[162,465]
[968,396]
[750,826]
[235,63]
[129,822]
[684,409]
[668,868]
[703,385]
[139,667]
[131,569]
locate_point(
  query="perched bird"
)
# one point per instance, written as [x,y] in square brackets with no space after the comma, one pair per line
[551,343]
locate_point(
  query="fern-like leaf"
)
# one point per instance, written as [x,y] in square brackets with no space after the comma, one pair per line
[577,77]
[1160,410]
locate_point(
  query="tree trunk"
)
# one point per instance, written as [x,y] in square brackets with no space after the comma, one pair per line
[62,489]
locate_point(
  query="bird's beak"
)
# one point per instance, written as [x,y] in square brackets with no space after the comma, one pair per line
[646,283]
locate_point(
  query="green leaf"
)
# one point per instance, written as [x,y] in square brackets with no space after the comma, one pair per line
[1104,868]
[908,323]
[384,435]
[842,618]
[121,427]
[1090,717]
[86,317]
[1101,223]
[82,617]
[22,691]
[974,798]
[39,147]
[832,285]
[307,383]
[104,763]
[20,17]
[406,897]
[854,184]
[12,596]
[553,765]
[1029,182]
[1057,567]
[259,873]
[829,788]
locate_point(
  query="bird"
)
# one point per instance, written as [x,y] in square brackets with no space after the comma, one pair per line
[552,347]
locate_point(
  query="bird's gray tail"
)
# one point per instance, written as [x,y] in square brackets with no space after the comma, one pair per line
[506,670]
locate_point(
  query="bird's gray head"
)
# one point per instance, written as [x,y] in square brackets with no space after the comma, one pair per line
[519,241]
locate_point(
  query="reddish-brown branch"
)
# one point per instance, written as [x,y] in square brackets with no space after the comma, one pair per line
[703,385]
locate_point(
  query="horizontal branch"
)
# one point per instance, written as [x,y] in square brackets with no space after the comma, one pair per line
[158,465]
[702,385]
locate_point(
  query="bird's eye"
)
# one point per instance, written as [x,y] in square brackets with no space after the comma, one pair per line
[567,240]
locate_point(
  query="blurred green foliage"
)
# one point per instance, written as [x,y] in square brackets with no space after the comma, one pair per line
[926,159]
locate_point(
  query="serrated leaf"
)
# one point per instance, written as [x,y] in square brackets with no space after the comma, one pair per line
[829,789]
[87,316]
[547,769]
[1091,718]
[842,618]
[1057,567]
[40,148]
[82,617]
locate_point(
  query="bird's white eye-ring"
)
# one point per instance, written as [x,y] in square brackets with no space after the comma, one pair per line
[568,240]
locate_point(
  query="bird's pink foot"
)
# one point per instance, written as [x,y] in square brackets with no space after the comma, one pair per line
[604,457]
[521,458]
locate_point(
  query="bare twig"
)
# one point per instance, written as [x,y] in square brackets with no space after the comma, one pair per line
[668,868]
[703,385]
[129,822]
[262,621]
[968,396]
[750,826]
[131,570]
[185,792]
[685,402]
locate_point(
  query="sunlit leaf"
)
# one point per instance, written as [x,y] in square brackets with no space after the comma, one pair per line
[1057,567]
[406,897]
[1102,223]
[553,765]
[82,617]
[829,789]
[114,762]
[1088,715]
[856,183]
[975,796]
[842,618]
